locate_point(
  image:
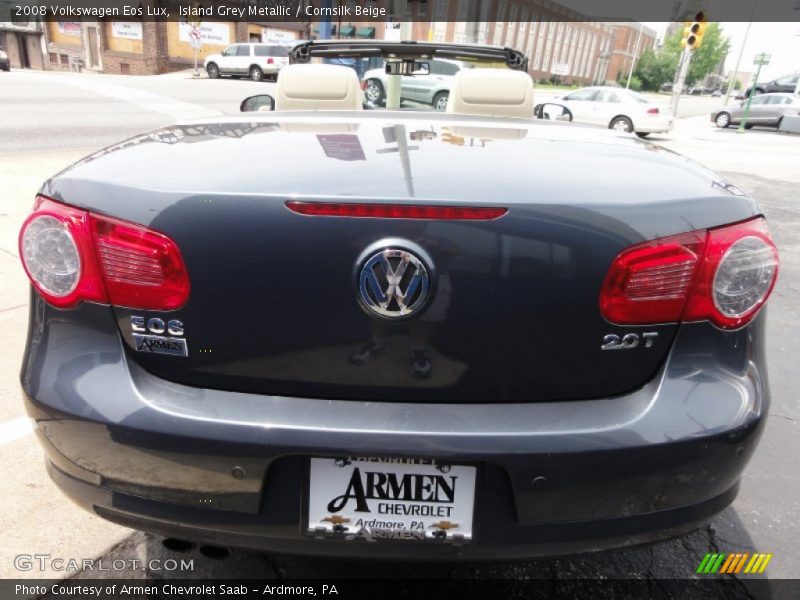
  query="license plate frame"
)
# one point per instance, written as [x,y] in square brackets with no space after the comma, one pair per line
[332,478]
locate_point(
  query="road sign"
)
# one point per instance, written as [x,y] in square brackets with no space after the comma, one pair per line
[560,68]
[196,43]
[195,33]
[762,59]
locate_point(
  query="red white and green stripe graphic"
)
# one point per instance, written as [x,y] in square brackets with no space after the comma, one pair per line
[721,562]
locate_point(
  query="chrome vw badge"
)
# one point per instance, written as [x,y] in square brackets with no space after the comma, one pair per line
[393,283]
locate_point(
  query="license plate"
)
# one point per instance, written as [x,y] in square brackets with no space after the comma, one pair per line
[398,499]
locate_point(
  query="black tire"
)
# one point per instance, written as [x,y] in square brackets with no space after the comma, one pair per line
[621,123]
[256,74]
[374,92]
[440,101]
[213,71]
[722,120]
[642,134]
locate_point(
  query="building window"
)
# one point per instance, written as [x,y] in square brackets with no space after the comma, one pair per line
[54,58]
[64,59]
[440,11]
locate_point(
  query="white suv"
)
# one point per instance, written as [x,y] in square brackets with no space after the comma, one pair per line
[254,60]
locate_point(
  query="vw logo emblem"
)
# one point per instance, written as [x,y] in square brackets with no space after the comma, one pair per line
[393,283]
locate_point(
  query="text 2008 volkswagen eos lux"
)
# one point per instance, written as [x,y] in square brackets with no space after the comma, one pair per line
[428,335]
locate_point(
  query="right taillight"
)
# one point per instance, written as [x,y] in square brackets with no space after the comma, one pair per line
[71,255]
[722,275]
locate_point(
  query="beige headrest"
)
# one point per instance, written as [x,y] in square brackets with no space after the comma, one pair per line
[317,87]
[492,92]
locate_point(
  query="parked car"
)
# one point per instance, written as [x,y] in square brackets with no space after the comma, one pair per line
[716,93]
[255,61]
[5,65]
[787,84]
[765,110]
[423,336]
[432,89]
[617,108]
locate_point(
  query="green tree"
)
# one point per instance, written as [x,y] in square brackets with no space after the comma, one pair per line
[713,49]
[654,69]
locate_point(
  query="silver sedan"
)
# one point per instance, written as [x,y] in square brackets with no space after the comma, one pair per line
[765,109]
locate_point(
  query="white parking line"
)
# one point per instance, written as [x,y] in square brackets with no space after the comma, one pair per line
[14,430]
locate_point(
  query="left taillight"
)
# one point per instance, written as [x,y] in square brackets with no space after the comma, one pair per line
[71,255]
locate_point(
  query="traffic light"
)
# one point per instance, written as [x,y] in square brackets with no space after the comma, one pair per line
[693,32]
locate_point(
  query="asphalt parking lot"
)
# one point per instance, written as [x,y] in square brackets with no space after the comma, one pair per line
[48,120]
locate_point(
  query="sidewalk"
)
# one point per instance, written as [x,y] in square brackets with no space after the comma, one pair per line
[762,152]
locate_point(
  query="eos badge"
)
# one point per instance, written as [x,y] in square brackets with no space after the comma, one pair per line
[148,336]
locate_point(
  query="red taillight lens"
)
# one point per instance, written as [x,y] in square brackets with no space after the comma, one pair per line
[396,211]
[722,275]
[55,245]
[141,268]
[652,111]
[270,61]
[649,283]
[738,273]
[71,255]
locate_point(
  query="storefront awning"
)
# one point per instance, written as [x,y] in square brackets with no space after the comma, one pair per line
[333,30]
[347,31]
[366,32]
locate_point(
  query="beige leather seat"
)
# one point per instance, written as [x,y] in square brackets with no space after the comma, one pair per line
[318,87]
[492,92]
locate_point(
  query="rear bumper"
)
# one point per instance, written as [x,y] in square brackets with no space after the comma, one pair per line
[555,478]
[654,125]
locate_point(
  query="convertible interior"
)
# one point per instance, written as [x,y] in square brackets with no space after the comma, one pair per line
[489,91]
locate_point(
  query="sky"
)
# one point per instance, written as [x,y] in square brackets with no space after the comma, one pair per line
[781,40]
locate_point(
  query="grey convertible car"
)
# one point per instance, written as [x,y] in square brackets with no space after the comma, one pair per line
[422,335]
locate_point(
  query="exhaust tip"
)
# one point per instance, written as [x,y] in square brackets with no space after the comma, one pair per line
[214,552]
[177,545]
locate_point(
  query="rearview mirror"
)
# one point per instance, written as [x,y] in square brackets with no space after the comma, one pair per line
[407,67]
[421,68]
[259,103]
[552,112]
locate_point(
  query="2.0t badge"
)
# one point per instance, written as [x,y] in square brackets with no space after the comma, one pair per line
[393,283]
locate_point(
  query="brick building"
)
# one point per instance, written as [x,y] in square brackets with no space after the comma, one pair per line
[554,37]
[146,48]
[21,38]
[631,40]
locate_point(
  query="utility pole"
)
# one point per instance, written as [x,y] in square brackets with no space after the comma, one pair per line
[732,82]
[677,86]
[395,81]
[633,58]
[797,87]
[692,39]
